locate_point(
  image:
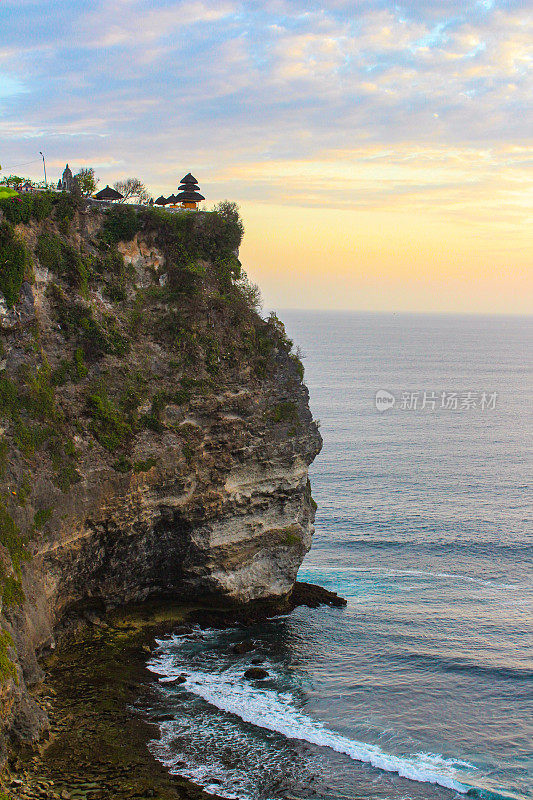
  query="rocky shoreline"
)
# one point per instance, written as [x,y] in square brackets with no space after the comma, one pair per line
[96,747]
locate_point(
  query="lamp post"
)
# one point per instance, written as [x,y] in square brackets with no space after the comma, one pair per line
[44,167]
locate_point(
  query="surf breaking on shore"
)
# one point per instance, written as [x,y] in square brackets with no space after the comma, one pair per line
[276,711]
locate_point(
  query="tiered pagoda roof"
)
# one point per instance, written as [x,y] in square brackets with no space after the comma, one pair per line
[189,191]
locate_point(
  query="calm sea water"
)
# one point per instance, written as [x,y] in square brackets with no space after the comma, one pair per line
[422,687]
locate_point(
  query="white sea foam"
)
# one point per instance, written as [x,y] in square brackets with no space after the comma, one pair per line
[277,712]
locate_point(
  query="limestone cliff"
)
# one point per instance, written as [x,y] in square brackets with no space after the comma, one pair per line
[156,434]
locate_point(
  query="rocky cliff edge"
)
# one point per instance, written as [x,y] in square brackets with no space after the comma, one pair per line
[155,430]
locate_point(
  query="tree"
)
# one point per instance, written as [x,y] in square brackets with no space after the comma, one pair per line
[86,181]
[229,212]
[133,189]
[14,180]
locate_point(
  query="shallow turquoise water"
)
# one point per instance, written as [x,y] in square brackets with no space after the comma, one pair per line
[422,686]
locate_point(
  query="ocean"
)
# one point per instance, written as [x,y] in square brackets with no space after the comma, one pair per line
[422,686]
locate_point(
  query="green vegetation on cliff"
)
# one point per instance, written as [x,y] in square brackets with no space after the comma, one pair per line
[15,264]
[121,345]
[7,669]
[39,206]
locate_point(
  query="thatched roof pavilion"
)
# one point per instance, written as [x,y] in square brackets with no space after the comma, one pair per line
[189,192]
[108,194]
[190,197]
[161,201]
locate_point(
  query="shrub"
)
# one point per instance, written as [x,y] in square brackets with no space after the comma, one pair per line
[29,438]
[121,224]
[115,290]
[185,238]
[296,359]
[109,424]
[181,396]
[42,205]
[66,477]
[110,262]
[77,320]
[9,396]
[66,206]
[41,517]
[285,412]
[184,277]
[49,252]
[188,452]
[24,491]
[79,364]
[14,264]
[38,398]
[122,464]
[144,466]
[117,343]
[224,228]
[250,292]
[11,538]
[136,317]
[151,423]
[228,269]
[64,260]
[69,314]
[76,269]
[12,592]
[4,452]
[33,205]
[92,336]
[7,668]
[277,330]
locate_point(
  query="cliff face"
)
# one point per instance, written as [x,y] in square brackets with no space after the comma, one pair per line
[156,434]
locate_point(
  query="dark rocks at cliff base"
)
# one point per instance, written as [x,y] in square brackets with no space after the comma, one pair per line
[256,674]
[182,630]
[242,647]
[176,681]
[307,594]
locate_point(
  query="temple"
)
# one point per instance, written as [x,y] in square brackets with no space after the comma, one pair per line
[67,183]
[189,192]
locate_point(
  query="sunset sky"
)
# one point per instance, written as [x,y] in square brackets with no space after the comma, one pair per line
[381,153]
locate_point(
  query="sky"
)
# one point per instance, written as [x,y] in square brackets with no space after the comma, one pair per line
[381,153]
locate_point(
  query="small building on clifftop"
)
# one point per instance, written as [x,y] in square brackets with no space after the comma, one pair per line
[189,192]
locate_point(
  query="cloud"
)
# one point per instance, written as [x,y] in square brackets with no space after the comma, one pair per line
[205,81]
[478,185]
[377,130]
[137,23]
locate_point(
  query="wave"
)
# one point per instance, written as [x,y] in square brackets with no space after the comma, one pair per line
[475,546]
[388,572]
[449,664]
[274,711]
